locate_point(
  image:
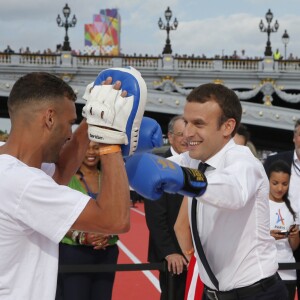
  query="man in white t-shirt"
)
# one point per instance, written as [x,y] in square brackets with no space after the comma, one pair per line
[36,208]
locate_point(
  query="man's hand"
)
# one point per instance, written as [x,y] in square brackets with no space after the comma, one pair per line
[89,88]
[115,107]
[176,263]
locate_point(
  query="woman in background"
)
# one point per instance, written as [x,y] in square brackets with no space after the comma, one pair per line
[283,221]
[79,247]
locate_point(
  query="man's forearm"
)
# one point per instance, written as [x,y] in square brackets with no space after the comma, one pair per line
[72,155]
[114,199]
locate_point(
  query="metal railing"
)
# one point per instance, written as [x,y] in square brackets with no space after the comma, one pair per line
[103,268]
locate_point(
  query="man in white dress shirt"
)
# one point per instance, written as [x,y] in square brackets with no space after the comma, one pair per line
[233,214]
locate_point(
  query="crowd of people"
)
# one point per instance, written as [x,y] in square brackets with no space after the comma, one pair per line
[92,51]
[27,50]
[231,217]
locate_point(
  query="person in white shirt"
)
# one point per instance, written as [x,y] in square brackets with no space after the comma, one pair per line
[233,214]
[283,221]
[291,157]
[37,209]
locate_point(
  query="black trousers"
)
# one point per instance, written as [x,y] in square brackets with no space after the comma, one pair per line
[277,291]
[86,286]
[135,197]
[178,282]
[291,287]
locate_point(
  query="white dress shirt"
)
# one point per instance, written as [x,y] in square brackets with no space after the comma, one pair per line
[233,218]
[173,151]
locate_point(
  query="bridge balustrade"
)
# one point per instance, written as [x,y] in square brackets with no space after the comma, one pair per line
[90,61]
[145,62]
[39,59]
[30,59]
[195,63]
[5,59]
[288,65]
[141,62]
[242,64]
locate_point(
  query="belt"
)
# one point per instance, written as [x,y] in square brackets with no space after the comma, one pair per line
[247,291]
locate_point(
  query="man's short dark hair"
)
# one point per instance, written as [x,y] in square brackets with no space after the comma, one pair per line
[38,86]
[225,97]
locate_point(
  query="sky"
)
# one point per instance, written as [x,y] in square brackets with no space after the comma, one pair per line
[205,27]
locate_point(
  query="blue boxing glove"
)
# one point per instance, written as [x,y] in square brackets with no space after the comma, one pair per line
[151,175]
[150,135]
[111,118]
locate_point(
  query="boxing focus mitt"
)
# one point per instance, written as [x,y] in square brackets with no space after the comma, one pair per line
[151,175]
[150,135]
[113,119]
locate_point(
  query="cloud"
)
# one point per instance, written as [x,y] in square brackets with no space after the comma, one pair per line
[225,34]
[204,27]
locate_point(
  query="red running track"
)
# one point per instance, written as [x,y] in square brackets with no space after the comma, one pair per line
[135,285]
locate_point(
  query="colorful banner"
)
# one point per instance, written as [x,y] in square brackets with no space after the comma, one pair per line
[104,33]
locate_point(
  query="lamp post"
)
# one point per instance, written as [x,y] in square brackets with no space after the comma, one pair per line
[168,27]
[66,11]
[268,30]
[285,39]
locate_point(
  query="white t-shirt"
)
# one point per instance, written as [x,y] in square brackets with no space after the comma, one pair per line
[282,219]
[233,218]
[35,214]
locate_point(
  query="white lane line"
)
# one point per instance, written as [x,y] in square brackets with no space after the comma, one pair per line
[135,260]
[138,211]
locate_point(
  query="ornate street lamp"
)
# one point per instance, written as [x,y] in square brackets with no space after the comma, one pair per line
[285,39]
[168,27]
[268,30]
[66,11]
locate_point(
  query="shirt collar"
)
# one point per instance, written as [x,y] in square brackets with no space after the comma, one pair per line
[173,151]
[214,161]
[296,159]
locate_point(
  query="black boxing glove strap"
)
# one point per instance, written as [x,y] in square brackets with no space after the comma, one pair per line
[195,181]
